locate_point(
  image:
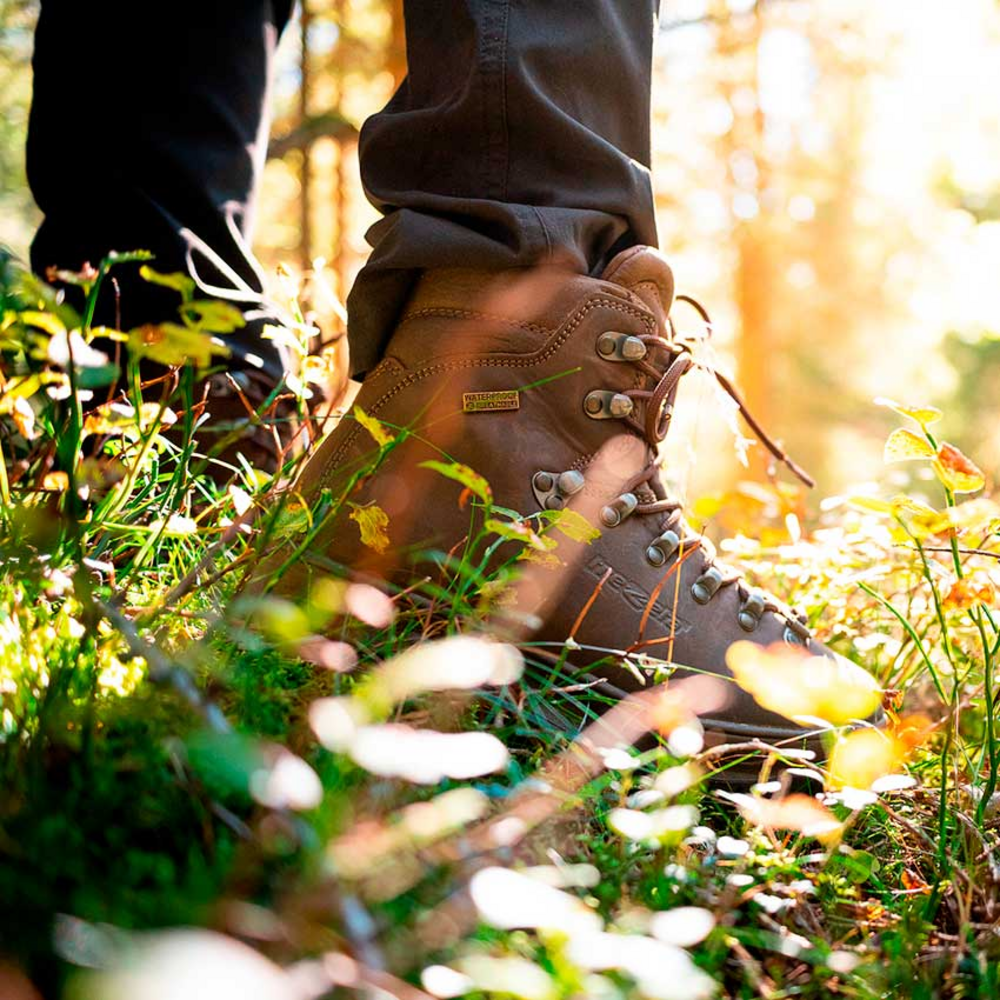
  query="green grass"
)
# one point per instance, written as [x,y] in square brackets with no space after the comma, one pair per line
[172,758]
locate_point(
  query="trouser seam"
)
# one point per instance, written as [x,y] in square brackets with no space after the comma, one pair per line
[545,232]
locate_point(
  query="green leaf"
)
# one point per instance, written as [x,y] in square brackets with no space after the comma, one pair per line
[127,257]
[573,525]
[178,282]
[95,377]
[905,446]
[857,866]
[173,344]
[518,531]
[469,478]
[372,522]
[213,317]
[378,432]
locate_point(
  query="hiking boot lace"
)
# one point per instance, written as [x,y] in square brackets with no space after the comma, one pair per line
[675,538]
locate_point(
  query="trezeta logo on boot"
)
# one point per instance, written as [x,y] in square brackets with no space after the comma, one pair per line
[483,402]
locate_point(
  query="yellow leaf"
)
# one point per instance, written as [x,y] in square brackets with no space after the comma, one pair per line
[905,446]
[469,478]
[175,526]
[896,506]
[48,322]
[979,515]
[923,415]
[787,680]
[370,424]
[121,418]
[957,471]
[860,758]
[573,525]
[970,592]
[24,418]
[518,531]
[56,481]
[875,504]
[372,521]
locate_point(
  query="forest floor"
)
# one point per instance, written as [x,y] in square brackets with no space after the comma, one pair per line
[210,796]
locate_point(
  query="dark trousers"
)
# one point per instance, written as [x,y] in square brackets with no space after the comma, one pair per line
[520,135]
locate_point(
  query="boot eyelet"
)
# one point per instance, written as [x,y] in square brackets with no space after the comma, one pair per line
[553,489]
[751,612]
[707,585]
[796,632]
[603,404]
[663,548]
[614,346]
[570,483]
[615,512]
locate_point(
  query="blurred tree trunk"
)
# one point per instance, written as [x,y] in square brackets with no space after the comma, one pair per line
[396,57]
[305,149]
[754,276]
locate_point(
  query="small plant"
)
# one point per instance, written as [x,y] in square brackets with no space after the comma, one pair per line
[366,789]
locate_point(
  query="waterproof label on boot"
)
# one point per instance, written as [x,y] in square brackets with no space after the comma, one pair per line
[480,402]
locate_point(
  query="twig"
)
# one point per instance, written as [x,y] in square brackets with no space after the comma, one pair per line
[163,671]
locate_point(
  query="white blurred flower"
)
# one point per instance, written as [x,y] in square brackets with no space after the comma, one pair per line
[683,926]
[193,965]
[458,662]
[772,904]
[288,783]
[675,780]
[731,847]
[618,759]
[645,826]
[443,813]
[662,971]
[441,981]
[853,798]
[843,962]
[508,899]
[687,740]
[566,876]
[893,783]
[515,977]
[336,721]
[425,756]
[62,345]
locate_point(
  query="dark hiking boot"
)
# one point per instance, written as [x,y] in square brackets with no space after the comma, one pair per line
[557,389]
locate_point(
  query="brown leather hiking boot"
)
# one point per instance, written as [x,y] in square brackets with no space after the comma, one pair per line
[557,389]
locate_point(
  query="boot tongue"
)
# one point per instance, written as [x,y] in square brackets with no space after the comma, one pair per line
[646,273]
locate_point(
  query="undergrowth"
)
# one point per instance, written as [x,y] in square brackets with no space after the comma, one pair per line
[367,791]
